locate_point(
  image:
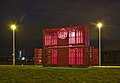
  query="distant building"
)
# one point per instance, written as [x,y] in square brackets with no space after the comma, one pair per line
[111,57]
[21,55]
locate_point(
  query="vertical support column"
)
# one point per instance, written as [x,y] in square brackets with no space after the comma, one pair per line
[99,46]
[13,47]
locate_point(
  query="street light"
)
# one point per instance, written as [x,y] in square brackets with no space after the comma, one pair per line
[99,25]
[13,27]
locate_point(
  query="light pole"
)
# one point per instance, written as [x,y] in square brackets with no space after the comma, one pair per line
[13,27]
[99,25]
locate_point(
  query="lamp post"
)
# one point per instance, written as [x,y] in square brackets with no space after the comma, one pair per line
[99,25]
[13,27]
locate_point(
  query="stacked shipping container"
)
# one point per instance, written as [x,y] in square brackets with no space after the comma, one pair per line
[68,46]
[95,56]
[38,56]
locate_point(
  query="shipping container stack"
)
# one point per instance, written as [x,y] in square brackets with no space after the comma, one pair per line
[38,56]
[67,46]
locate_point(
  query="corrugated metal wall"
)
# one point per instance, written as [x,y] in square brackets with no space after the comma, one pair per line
[38,56]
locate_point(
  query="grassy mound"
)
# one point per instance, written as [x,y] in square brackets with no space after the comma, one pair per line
[37,74]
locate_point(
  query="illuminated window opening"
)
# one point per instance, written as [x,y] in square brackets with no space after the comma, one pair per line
[47,39]
[71,37]
[71,56]
[54,39]
[73,34]
[75,37]
[81,37]
[54,57]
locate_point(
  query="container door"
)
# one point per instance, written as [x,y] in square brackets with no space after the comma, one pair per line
[62,57]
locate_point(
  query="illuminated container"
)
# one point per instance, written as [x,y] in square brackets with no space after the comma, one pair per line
[68,46]
[73,35]
[89,55]
[38,56]
[92,57]
[66,56]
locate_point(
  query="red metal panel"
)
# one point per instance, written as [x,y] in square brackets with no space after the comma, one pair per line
[62,42]
[79,56]
[54,57]
[47,56]
[72,56]
[63,56]
[37,56]
[89,58]
[95,57]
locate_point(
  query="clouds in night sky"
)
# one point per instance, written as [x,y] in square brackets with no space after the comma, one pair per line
[52,13]
[39,14]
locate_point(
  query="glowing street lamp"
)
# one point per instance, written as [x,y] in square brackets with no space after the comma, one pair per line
[13,27]
[99,25]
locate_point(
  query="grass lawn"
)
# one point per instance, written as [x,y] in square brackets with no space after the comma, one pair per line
[37,74]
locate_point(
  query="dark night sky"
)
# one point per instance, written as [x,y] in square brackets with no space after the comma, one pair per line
[34,15]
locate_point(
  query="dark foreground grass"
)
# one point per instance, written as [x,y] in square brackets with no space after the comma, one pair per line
[36,74]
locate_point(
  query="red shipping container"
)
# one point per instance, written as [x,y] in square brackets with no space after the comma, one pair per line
[95,57]
[38,56]
[73,35]
[66,56]
[89,55]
